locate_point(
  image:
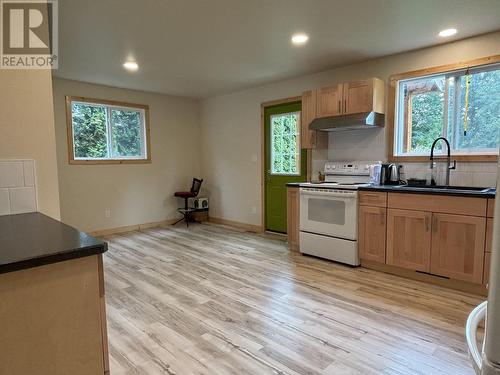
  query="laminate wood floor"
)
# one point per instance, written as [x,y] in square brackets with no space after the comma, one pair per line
[213,300]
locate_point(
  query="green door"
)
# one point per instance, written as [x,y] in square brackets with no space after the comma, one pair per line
[284,160]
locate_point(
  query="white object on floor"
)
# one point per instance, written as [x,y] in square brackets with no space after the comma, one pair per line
[486,361]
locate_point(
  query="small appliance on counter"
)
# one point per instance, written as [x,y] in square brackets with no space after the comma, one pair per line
[375,170]
[390,174]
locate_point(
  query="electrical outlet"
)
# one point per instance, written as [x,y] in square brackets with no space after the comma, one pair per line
[107,213]
[253,210]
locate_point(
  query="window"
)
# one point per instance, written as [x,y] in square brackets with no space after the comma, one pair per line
[285,144]
[461,105]
[106,132]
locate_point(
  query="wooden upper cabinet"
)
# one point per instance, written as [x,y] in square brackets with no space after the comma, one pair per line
[338,100]
[308,137]
[372,231]
[363,96]
[457,249]
[329,101]
[409,239]
[350,97]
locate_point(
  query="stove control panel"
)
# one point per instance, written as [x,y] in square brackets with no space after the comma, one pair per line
[359,168]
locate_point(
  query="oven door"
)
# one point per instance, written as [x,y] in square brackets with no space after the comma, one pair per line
[331,213]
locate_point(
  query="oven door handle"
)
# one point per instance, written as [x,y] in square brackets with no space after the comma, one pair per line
[326,194]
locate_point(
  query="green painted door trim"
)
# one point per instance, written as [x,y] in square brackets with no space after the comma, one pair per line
[275,206]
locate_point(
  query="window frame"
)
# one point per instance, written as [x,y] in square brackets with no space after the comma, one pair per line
[146,132]
[392,113]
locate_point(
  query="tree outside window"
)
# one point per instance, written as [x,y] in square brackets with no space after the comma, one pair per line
[435,106]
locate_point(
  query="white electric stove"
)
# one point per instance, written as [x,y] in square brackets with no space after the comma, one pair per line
[329,212]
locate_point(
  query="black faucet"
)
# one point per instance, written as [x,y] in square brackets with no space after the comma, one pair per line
[449,166]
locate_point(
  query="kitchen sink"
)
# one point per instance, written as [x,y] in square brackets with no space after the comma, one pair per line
[447,187]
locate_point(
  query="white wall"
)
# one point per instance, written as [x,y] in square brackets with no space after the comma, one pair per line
[135,193]
[27,129]
[231,134]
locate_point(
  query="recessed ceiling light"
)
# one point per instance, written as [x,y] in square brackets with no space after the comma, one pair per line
[447,32]
[299,39]
[131,66]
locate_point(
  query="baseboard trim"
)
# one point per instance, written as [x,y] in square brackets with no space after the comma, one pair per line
[132,228]
[436,280]
[236,224]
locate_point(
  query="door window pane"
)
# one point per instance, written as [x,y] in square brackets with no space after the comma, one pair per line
[285,144]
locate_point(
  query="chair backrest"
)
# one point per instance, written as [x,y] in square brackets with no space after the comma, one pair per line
[195,188]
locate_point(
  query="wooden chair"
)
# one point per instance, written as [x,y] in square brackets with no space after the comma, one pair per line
[186,211]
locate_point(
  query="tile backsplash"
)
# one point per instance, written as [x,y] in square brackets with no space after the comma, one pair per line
[465,174]
[17,187]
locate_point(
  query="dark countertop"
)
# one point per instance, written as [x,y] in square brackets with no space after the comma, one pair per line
[422,190]
[34,239]
[418,190]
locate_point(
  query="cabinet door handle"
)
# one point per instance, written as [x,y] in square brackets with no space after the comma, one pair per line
[340,110]
[427,224]
[382,217]
[345,106]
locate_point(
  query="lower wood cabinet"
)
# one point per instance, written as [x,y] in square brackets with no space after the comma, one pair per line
[293,215]
[489,235]
[457,249]
[409,239]
[487,265]
[372,233]
[53,319]
[441,235]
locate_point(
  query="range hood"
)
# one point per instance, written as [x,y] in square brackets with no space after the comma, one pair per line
[364,120]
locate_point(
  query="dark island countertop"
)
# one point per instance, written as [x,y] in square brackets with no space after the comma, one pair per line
[489,193]
[34,239]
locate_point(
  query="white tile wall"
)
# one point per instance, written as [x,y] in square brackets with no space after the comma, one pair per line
[11,174]
[466,174]
[4,202]
[17,186]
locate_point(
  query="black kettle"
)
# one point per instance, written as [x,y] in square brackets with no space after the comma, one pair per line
[389,174]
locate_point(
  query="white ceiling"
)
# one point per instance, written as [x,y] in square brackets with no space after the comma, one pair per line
[201,48]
